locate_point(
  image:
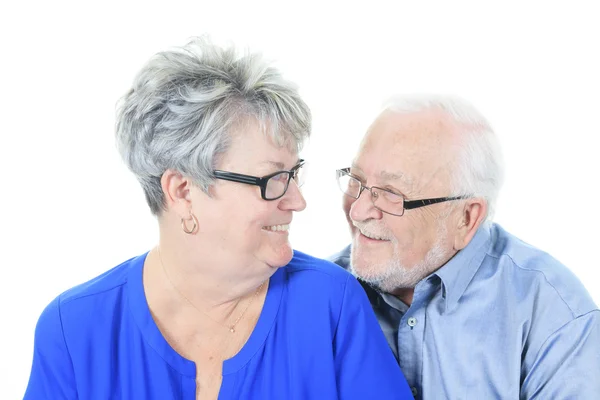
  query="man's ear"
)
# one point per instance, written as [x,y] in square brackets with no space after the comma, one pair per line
[176,189]
[473,214]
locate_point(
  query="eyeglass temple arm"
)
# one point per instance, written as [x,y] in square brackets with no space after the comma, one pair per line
[233,177]
[409,205]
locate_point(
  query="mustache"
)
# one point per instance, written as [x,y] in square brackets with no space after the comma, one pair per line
[373,228]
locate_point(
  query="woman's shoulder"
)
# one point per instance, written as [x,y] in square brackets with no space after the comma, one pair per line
[316,291]
[91,305]
[76,326]
[104,284]
[311,267]
[322,278]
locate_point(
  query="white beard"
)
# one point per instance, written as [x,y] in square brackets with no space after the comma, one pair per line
[391,275]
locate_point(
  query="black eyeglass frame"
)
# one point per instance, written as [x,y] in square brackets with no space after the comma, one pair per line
[260,181]
[406,204]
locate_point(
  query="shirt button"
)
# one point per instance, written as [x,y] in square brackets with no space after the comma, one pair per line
[412,321]
[414,391]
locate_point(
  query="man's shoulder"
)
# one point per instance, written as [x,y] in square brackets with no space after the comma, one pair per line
[540,271]
[342,257]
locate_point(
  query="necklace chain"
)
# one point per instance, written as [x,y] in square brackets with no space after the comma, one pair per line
[231,327]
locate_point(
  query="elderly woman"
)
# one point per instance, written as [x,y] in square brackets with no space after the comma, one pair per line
[222,307]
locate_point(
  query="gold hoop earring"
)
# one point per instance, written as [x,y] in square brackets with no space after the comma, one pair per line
[194,228]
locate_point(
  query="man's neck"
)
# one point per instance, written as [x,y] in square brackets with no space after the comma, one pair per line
[405,295]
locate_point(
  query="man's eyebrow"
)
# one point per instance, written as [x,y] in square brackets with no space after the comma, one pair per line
[388,176]
[407,182]
[393,176]
[354,166]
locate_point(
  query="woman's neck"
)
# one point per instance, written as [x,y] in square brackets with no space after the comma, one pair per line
[180,285]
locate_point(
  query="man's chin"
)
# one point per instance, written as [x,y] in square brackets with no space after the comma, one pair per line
[384,275]
[383,282]
[369,272]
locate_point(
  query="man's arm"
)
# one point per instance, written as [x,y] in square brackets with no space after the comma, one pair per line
[567,365]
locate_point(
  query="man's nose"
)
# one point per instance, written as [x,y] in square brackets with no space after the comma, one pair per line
[363,208]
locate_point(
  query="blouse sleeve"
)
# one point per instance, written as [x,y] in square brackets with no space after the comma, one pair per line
[52,374]
[365,365]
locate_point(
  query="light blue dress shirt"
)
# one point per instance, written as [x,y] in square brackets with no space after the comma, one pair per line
[316,338]
[500,320]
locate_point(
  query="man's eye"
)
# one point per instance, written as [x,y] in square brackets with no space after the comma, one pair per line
[392,197]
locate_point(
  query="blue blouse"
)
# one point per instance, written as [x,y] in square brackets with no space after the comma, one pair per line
[316,338]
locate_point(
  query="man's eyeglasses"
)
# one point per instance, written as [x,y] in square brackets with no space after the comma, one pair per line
[272,186]
[383,199]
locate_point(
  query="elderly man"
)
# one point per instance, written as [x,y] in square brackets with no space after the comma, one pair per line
[469,310]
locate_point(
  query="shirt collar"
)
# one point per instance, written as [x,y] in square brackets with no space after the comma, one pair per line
[394,302]
[342,258]
[457,273]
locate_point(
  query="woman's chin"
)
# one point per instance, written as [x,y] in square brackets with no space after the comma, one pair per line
[281,256]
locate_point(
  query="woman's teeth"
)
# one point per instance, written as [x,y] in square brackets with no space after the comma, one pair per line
[276,228]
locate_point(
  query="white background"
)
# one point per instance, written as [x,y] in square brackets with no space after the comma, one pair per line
[71,210]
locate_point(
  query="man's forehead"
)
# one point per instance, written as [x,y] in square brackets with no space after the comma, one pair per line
[421,136]
[425,125]
[384,174]
[406,148]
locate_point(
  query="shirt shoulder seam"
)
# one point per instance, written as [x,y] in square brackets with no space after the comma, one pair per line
[62,334]
[573,313]
[339,316]
[562,327]
[95,293]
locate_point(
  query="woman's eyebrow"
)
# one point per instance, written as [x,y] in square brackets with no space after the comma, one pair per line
[275,164]
[279,165]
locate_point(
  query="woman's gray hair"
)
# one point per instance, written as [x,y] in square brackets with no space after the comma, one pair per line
[185,102]
[479,168]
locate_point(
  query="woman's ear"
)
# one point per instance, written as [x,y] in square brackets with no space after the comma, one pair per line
[177,192]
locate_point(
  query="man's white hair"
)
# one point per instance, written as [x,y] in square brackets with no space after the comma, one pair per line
[478,170]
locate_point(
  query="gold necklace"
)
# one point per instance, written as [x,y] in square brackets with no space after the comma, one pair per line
[239,318]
